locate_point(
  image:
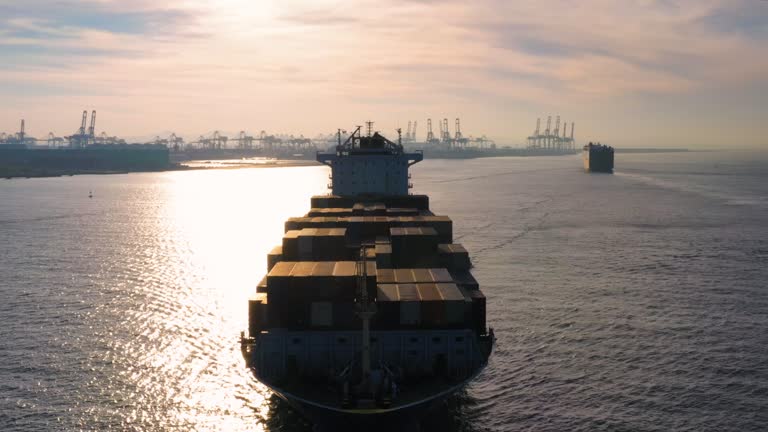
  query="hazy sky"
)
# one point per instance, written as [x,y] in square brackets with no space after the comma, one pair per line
[630,72]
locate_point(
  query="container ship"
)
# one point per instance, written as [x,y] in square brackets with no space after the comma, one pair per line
[598,158]
[369,314]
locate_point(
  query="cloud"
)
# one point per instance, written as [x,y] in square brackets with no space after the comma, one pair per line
[115,17]
[747,18]
[37,33]
[319,18]
[247,59]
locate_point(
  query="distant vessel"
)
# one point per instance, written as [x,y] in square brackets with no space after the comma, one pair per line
[90,194]
[598,158]
[369,314]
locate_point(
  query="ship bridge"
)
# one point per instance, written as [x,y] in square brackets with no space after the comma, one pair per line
[369,165]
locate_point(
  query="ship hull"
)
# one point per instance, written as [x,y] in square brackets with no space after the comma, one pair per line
[598,162]
[326,417]
[315,398]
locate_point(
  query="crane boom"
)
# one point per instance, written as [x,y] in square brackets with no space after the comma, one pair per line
[92,129]
[83,122]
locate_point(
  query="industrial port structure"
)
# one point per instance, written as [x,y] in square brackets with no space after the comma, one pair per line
[438,142]
[82,137]
[445,140]
[550,139]
[86,136]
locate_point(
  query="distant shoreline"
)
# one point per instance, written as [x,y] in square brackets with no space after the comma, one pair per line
[649,150]
[15,173]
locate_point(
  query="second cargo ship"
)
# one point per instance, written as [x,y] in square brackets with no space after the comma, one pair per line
[598,158]
[369,314]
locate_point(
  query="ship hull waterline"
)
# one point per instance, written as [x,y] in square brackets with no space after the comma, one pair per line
[328,417]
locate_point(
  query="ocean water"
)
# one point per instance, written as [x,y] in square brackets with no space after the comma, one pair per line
[629,302]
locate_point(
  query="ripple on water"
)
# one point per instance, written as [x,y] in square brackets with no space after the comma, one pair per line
[619,303]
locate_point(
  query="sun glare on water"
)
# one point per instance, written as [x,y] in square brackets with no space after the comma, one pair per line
[215,228]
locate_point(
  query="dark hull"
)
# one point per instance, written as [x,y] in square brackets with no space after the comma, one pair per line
[598,161]
[330,418]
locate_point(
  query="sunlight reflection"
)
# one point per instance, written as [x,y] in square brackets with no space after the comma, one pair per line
[216,227]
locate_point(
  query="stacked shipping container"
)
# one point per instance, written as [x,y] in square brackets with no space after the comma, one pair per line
[418,278]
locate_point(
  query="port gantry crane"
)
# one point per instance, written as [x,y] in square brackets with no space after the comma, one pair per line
[15,138]
[408,132]
[450,142]
[215,141]
[446,134]
[92,128]
[244,141]
[431,135]
[84,136]
[534,140]
[459,138]
[551,139]
[442,134]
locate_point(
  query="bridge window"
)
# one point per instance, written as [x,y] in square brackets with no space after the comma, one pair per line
[436,339]
[459,338]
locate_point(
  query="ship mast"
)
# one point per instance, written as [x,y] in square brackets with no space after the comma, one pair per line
[365,310]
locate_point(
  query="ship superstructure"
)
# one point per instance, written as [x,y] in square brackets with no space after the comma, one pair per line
[369,311]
